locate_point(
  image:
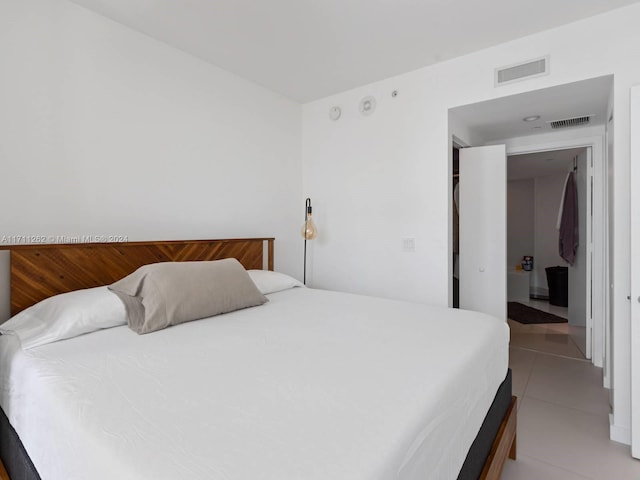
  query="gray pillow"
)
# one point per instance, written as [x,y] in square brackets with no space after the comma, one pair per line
[159,295]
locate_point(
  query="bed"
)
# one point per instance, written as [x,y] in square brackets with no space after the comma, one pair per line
[312,384]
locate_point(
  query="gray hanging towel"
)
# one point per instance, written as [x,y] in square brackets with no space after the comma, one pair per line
[568,237]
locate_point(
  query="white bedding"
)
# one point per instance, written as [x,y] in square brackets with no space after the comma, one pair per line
[312,385]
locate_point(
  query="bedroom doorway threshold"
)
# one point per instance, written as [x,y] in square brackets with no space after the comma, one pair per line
[551,338]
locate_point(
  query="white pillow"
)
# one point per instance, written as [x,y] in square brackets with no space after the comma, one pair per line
[66,316]
[271,282]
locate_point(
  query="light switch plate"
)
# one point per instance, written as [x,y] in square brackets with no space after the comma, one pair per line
[408,244]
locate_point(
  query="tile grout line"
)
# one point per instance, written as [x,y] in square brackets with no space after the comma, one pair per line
[526,383]
[583,360]
[545,462]
[576,345]
[540,457]
[524,391]
[579,410]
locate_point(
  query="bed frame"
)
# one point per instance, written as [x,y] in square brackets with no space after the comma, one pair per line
[504,444]
[41,271]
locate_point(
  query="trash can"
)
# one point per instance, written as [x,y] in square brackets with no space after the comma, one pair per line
[558,281]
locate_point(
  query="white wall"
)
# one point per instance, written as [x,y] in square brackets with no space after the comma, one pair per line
[548,192]
[532,212]
[520,221]
[104,130]
[379,178]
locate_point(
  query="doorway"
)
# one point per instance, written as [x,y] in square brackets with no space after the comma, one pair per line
[526,123]
[547,294]
[455,225]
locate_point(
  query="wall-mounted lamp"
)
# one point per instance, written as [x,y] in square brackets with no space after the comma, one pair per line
[309,232]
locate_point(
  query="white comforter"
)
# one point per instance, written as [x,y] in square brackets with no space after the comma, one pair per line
[312,385]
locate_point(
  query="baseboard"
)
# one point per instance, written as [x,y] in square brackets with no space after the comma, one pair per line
[538,293]
[538,296]
[619,434]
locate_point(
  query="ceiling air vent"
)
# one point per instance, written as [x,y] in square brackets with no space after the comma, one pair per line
[571,122]
[522,71]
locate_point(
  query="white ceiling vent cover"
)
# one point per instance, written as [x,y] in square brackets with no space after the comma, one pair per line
[522,71]
[571,122]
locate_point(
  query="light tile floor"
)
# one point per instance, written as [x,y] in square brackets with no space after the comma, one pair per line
[563,422]
[548,337]
[545,337]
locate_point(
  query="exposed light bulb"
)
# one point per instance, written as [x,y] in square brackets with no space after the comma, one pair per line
[309,230]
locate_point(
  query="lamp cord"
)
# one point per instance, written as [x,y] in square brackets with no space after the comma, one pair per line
[304,275]
[307,209]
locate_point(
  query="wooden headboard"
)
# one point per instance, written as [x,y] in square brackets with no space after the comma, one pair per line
[41,271]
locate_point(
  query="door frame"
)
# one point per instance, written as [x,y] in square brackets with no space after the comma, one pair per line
[454,142]
[600,315]
[634,155]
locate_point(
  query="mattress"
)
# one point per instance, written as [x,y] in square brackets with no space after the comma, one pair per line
[312,385]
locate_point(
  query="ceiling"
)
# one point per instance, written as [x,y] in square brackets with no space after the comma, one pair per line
[309,49]
[540,164]
[502,118]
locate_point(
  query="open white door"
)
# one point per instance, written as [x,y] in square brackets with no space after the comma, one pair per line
[483,230]
[635,271]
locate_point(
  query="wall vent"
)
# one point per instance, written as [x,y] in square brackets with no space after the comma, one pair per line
[522,71]
[571,122]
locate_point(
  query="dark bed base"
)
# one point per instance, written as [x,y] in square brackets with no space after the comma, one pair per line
[14,456]
[20,467]
[481,446]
